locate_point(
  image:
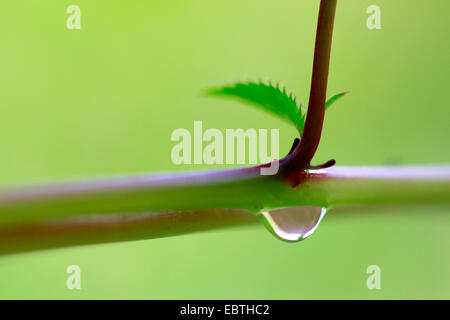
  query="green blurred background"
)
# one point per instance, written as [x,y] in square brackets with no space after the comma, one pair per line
[104,100]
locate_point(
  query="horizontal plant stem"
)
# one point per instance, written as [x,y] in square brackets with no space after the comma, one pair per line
[108,228]
[95,211]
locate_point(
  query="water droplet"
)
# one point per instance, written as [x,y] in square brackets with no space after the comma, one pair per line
[293,224]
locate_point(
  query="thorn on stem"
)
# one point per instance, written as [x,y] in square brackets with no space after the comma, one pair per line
[294,145]
[325,165]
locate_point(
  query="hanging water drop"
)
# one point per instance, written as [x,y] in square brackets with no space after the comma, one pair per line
[293,224]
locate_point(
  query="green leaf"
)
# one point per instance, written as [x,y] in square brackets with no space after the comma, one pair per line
[268,98]
[334,98]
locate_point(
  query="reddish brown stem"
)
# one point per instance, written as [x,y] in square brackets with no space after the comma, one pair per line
[303,154]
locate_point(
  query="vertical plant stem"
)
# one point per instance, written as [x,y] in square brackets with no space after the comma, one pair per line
[316,109]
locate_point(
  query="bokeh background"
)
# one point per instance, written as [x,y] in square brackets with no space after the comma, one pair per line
[105,99]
